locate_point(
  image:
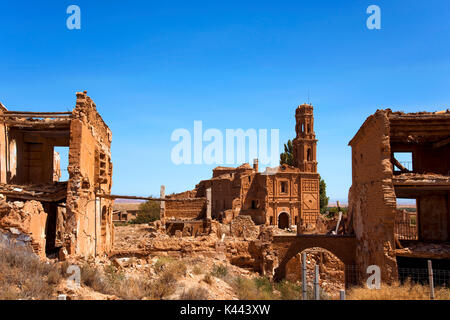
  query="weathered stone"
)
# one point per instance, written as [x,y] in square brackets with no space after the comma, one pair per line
[243,226]
[71,207]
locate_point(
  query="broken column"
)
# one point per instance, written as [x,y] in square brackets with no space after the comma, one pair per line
[162,212]
[208,204]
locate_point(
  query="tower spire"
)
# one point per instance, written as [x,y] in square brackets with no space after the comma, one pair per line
[305,143]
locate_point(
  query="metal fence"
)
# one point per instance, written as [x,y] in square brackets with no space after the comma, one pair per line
[441,278]
[354,277]
[405,226]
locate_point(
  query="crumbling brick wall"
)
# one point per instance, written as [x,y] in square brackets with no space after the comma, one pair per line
[372,201]
[89,230]
[188,210]
[24,223]
[75,218]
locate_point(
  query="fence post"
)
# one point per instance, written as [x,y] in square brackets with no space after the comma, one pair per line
[304,281]
[316,283]
[430,279]
[342,294]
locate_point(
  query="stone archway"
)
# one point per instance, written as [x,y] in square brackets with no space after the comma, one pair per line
[343,247]
[283,220]
[331,269]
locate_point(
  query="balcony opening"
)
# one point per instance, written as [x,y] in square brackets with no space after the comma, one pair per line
[402,162]
[406,221]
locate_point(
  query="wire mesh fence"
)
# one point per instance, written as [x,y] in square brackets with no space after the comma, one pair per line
[441,278]
[403,284]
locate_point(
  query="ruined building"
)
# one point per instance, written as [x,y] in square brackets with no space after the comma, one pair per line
[281,196]
[56,217]
[385,236]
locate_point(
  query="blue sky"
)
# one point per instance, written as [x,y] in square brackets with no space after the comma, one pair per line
[153,67]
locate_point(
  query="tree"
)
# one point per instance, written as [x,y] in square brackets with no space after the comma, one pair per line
[287,157]
[323,196]
[148,212]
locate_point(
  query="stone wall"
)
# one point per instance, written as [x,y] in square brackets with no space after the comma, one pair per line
[29,169]
[185,210]
[90,227]
[24,223]
[372,201]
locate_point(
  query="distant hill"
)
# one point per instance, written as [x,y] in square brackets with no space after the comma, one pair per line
[127,205]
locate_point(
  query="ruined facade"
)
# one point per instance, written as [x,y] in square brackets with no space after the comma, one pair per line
[68,217]
[379,179]
[283,196]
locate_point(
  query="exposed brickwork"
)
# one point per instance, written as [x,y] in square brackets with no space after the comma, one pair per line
[30,170]
[187,210]
[288,248]
[378,179]
[372,202]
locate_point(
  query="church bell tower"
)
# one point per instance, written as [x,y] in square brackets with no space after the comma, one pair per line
[305,142]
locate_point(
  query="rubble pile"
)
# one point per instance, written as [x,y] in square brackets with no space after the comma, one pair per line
[23,224]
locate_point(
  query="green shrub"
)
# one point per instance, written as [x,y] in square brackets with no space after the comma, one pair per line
[263,284]
[289,290]
[219,271]
[247,289]
[148,212]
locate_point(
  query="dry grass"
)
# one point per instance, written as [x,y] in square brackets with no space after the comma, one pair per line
[164,284]
[219,271]
[92,278]
[25,276]
[197,293]
[197,270]
[406,291]
[114,282]
[289,290]
[262,288]
[133,289]
[208,279]
[162,262]
[250,289]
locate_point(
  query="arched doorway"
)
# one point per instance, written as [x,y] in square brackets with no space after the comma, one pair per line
[283,220]
[338,248]
[331,271]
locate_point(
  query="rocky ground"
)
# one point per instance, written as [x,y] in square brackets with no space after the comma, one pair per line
[210,273]
[148,264]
